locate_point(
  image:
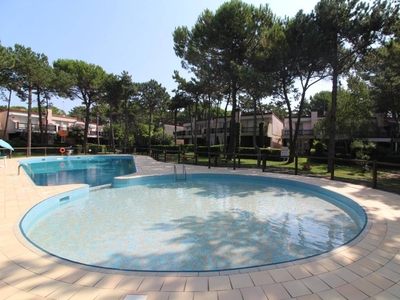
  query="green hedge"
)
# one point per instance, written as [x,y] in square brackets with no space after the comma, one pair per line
[167,147]
[387,159]
[95,149]
[266,151]
[215,150]
[187,148]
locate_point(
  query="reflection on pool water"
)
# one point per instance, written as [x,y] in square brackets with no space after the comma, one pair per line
[210,222]
[92,170]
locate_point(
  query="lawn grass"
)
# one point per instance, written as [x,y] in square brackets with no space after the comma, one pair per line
[387,178]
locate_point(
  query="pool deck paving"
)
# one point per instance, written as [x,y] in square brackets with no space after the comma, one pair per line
[366,268]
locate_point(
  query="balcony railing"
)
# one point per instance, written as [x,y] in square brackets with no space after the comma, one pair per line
[50,128]
[249,129]
[101,133]
[53,129]
[302,132]
[308,133]
[188,132]
[214,130]
[200,132]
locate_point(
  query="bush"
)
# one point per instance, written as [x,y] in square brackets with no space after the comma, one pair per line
[362,151]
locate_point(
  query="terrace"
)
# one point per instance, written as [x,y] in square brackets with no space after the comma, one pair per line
[368,267]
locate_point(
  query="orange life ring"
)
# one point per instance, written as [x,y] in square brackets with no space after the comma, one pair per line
[62,150]
[62,165]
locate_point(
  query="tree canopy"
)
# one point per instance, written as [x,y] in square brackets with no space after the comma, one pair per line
[86,82]
[240,56]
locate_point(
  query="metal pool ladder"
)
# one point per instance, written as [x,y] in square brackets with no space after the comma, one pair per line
[183,173]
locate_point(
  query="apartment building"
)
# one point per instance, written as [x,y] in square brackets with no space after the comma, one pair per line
[386,131]
[219,127]
[56,124]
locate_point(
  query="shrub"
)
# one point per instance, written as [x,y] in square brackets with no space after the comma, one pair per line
[362,151]
[319,150]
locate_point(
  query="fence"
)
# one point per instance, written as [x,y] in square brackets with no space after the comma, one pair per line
[375,174]
[51,151]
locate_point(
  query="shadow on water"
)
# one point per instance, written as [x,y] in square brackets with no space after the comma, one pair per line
[218,189]
[235,239]
[229,238]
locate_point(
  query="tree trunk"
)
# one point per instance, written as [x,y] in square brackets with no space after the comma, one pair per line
[7,116]
[196,111]
[126,125]
[292,145]
[303,96]
[191,126]
[216,123]
[112,132]
[332,116]
[150,121]
[86,130]
[46,135]
[175,124]
[225,127]
[40,117]
[209,128]
[232,140]
[256,147]
[29,123]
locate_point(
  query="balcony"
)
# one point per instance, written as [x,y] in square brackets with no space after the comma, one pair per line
[188,133]
[245,130]
[302,133]
[50,128]
[250,130]
[19,127]
[309,134]
[93,133]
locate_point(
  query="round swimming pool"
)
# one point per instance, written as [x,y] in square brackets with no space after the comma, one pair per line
[208,222]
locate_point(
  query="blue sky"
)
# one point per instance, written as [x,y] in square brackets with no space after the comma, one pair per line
[118,35]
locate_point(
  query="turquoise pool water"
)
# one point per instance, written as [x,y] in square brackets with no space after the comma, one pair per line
[92,170]
[209,222]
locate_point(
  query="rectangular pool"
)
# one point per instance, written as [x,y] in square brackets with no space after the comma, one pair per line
[92,170]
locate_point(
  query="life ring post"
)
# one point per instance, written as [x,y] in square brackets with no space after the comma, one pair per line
[62,150]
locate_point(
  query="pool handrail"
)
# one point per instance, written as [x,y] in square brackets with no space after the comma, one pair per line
[175,176]
[19,169]
[183,172]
